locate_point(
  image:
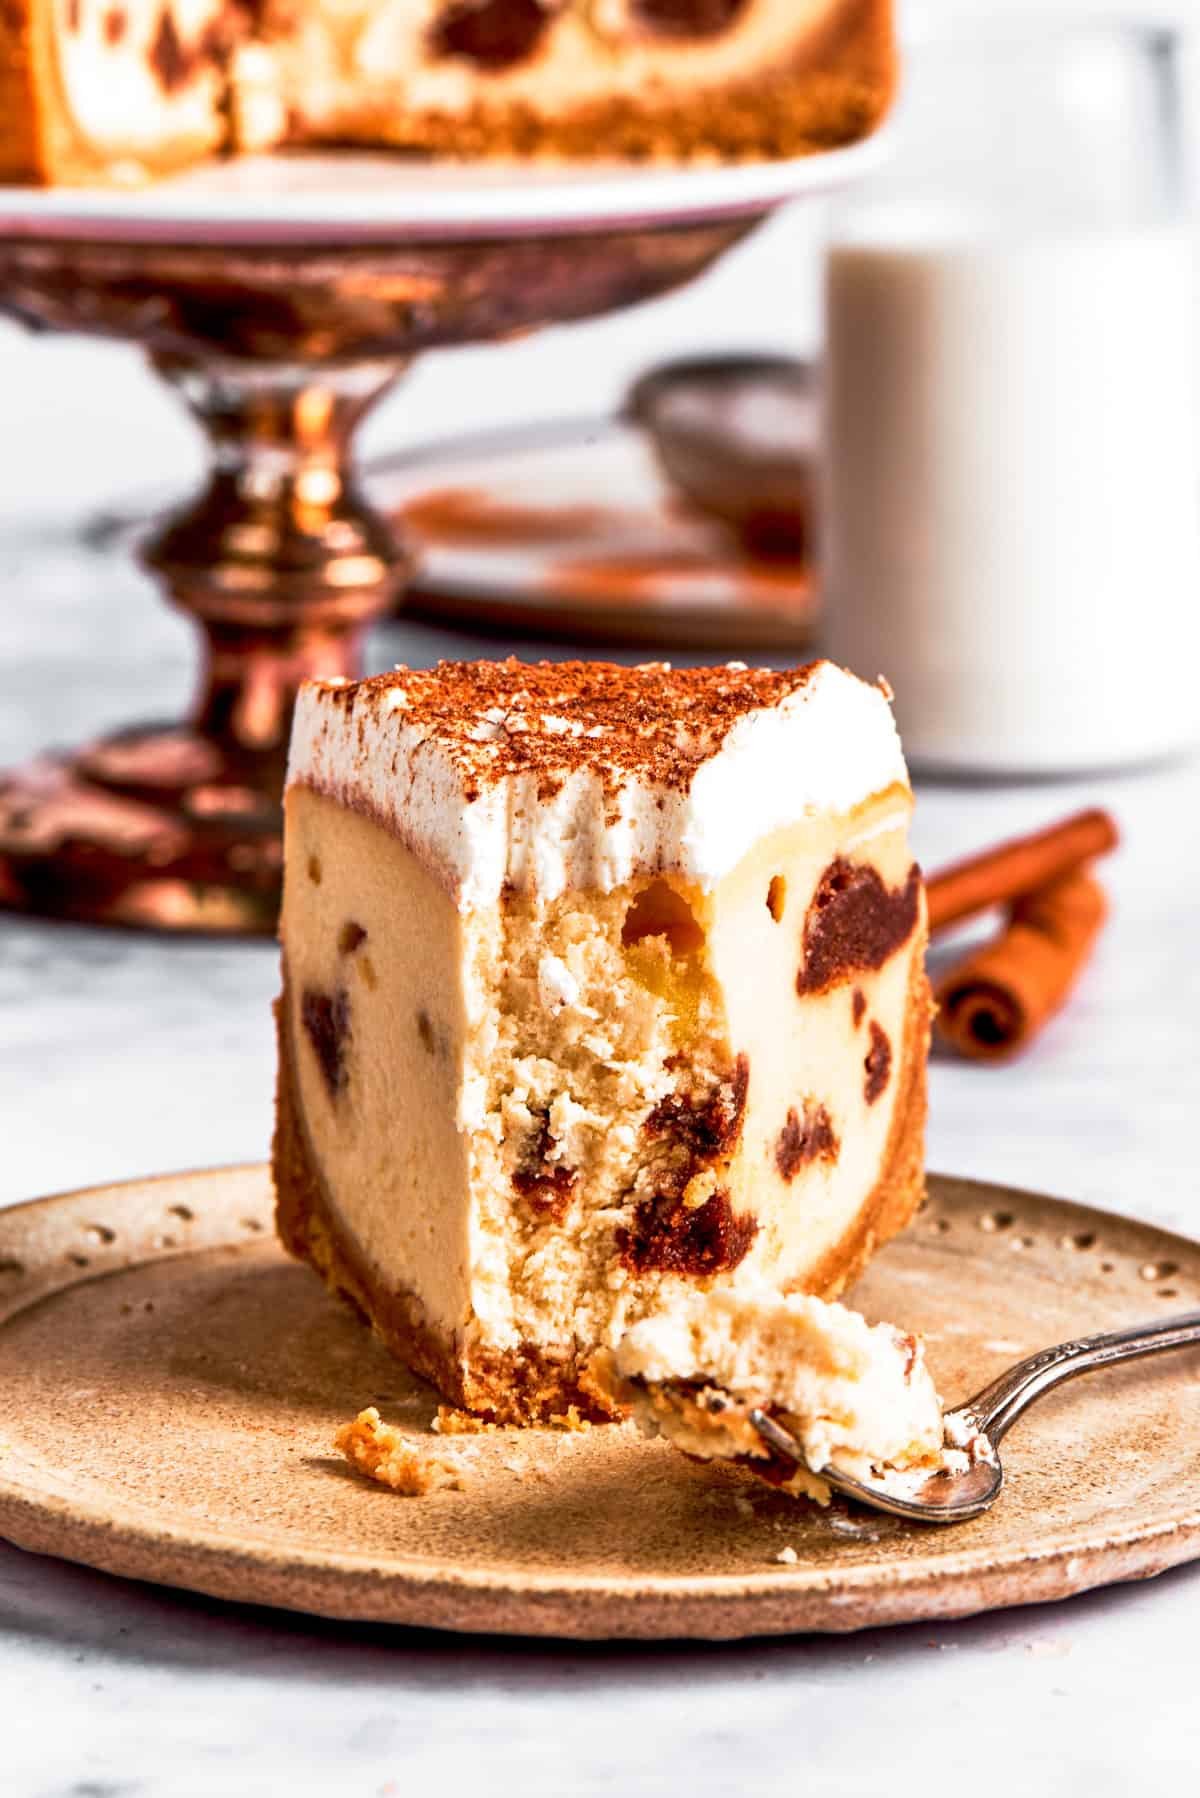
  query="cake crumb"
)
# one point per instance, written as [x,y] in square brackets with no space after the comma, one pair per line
[380,1452]
[571,1419]
[743,1506]
[450,1421]
[700,1189]
[787,1556]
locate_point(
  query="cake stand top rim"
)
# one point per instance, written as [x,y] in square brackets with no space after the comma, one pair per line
[346,199]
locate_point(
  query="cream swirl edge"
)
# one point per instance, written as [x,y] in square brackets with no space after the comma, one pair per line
[828,747]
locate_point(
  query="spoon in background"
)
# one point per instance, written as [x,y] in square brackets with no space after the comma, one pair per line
[974,1429]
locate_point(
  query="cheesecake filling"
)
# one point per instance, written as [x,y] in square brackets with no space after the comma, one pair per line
[142,79]
[856,1397]
[547,1117]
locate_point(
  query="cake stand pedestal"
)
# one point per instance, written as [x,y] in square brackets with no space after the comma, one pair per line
[282,566]
[281,298]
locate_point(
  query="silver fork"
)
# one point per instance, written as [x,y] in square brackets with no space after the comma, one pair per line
[953,1496]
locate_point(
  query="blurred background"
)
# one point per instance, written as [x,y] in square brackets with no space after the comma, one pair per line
[85,424]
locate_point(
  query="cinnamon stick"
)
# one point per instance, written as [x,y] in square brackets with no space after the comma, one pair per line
[1015,868]
[999,997]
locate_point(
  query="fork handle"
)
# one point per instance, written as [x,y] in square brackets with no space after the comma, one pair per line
[999,1405]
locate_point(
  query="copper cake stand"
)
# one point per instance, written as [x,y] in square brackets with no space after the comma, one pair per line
[281,297]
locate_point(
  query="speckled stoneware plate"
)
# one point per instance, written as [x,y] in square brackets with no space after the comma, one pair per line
[170,1385]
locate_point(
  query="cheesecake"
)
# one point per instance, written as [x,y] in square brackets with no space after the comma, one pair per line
[602,987]
[119,90]
[855,1397]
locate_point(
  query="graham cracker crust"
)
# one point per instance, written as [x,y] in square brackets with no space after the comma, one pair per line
[531,1384]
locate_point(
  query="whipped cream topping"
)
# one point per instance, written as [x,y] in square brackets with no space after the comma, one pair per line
[551,776]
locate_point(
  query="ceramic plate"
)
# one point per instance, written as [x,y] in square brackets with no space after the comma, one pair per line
[377,199]
[170,1385]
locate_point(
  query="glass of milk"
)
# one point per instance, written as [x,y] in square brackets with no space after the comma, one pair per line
[1012,518]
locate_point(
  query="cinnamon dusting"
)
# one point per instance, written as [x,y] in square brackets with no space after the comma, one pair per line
[549,720]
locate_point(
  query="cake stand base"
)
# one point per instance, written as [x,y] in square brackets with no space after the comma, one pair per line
[144,829]
[281,565]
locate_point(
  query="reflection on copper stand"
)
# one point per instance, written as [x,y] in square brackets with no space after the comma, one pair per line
[279,353]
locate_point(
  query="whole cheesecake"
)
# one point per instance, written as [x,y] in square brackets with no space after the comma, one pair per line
[602,987]
[115,90]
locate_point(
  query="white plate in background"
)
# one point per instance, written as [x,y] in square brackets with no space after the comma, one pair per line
[349,198]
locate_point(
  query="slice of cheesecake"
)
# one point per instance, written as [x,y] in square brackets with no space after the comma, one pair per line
[855,1396]
[584,78]
[115,90]
[602,986]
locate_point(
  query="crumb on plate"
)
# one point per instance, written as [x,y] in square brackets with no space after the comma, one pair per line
[381,1452]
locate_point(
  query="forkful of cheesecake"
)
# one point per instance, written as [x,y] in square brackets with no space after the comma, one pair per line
[813,1399]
